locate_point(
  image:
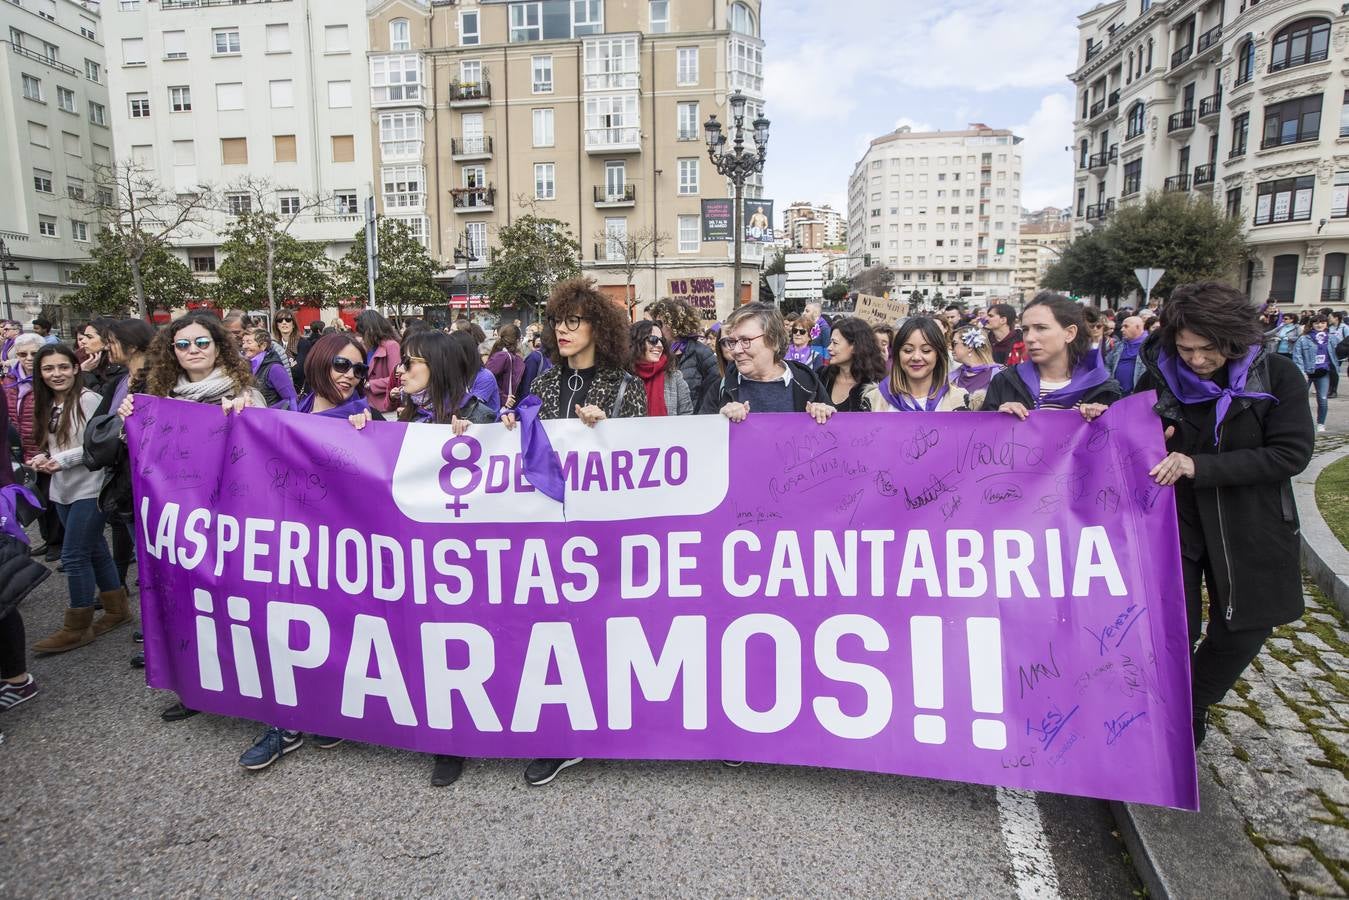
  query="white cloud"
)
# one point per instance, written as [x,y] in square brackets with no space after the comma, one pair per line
[1047,169]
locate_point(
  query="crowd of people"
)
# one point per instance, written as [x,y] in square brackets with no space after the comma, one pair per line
[1232,386]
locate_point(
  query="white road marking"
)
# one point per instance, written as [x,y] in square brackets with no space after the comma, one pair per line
[1024,836]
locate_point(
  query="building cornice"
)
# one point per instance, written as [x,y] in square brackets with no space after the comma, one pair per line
[1117,42]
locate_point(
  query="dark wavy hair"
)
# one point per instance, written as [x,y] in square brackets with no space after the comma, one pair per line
[135,335]
[465,339]
[44,399]
[1215,311]
[868,361]
[640,332]
[508,338]
[374,329]
[448,386]
[681,315]
[1066,313]
[318,365]
[162,370]
[608,324]
[931,332]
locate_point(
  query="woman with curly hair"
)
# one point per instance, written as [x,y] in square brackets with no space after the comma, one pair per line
[667,394]
[586,336]
[855,365]
[682,327]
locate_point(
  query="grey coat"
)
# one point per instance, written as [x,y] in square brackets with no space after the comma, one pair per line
[678,399]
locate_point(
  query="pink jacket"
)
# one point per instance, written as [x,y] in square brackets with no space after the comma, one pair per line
[382,376]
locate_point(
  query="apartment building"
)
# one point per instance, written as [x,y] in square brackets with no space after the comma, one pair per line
[1241,101]
[587,112]
[1040,247]
[811,227]
[53,132]
[941,209]
[245,93]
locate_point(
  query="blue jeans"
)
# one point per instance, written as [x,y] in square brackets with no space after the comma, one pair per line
[1322,384]
[89,566]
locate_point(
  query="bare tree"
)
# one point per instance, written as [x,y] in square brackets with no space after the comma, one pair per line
[632,252]
[144,215]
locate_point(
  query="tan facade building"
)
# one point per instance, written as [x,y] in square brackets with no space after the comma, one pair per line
[811,227]
[587,112]
[1040,248]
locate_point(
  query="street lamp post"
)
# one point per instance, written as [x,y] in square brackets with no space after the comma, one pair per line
[6,266]
[737,163]
[463,253]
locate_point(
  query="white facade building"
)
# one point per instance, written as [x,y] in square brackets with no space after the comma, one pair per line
[1241,101]
[53,131]
[941,209]
[263,90]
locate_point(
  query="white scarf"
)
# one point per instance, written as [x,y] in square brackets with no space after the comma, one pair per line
[210,389]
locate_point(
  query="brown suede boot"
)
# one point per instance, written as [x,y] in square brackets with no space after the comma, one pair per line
[115,611]
[76,632]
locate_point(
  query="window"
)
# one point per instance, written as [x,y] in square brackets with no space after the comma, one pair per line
[686,68]
[660,16]
[238,203]
[79,230]
[1245,62]
[92,70]
[469,34]
[42,181]
[615,180]
[401,135]
[234,151]
[476,232]
[688,176]
[202,260]
[229,96]
[180,98]
[1332,280]
[339,94]
[71,144]
[32,87]
[289,204]
[1283,283]
[542,67]
[347,204]
[1304,41]
[283,148]
[403,187]
[688,126]
[46,226]
[587,17]
[526,22]
[1133,177]
[282,93]
[65,99]
[1292,121]
[133,51]
[278,37]
[226,40]
[474,176]
[139,105]
[611,63]
[543,128]
[97,114]
[416,225]
[1137,120]
[690,236]
[742,20]
[344,148]
[616,239]
[400,35]
[143,154]
[175,45]
[545,184]
[1284,200]
[1339,196]
[395,79]
[746,65]
[336,39]
[1234,203]
[611,120]
[1344,116]
[128,5]
[184,153]
[1240,127]
[1148,67]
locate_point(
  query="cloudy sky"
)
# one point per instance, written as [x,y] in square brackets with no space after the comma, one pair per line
[839,74]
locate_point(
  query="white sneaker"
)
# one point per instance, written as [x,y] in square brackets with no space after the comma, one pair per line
[1320,429]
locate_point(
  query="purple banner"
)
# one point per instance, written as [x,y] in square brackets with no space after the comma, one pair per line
[958,596]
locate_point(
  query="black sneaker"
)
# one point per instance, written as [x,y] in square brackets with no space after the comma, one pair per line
[1200,726]
[11,695]
[138,660]
[447,770]
[541,771]
[177,712]
[138,637]
[326,743]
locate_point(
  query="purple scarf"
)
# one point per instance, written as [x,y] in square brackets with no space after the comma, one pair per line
[1084,378]
[256,361]
[1322,341]
[353,405]
[24,384]
[905,403]
[1189,388]
[974,378]
[10,495]
[805,355]
[541,466]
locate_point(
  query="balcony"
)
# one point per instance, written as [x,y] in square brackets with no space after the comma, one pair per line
[1095,212]
[611,252]
[1332,294]
[1209,40]
[1182,56]
[1176,183]
[614,140]
[1097,108]
[1210,106]
[467,94]
[1237,152]
[474,200]
[464,149]
[42,58]
[1181,122]
[1113,154]
[1203,174]
[1113,100]
[1098,161]
[624,196]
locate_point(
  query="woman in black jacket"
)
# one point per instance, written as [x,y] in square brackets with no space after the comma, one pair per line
[1238,428]
[759,377]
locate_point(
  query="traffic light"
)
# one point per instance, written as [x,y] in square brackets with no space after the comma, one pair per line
[1002,246]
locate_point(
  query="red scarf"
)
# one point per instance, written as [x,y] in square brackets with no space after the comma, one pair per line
[653,375]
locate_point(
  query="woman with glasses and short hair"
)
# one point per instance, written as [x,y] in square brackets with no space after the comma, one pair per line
[762,379]
[667,394]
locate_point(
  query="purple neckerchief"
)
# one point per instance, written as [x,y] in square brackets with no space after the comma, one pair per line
[1190,388]
[805,355]
[975,378]
[1085,377]
[678,347]
[24,384]
[353,405]
[898,401]
[10,495]
[540,462]
[1322,341]
[256,361]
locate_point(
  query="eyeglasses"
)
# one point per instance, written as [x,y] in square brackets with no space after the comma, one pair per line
[407,361]
[201,343]
[737,343]
[654,341]
[572,322]
[341,365]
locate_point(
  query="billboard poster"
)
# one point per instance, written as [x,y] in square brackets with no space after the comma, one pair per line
[716,220]
[758,219]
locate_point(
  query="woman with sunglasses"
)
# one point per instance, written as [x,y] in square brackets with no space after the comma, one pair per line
[917,381]
[62,409]
[801,350]
[381,343]
[681,324]
[855,365]
[286,339]
[667,394]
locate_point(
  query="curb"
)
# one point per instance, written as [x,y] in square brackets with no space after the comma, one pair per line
[1324,558]
[1182,855]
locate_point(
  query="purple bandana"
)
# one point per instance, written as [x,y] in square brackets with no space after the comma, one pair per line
[353,405]
[540,462]
[1085,377]
[906,403]
[805,355]
[256,361]
[1189,388]
[974,378]
[10,495]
